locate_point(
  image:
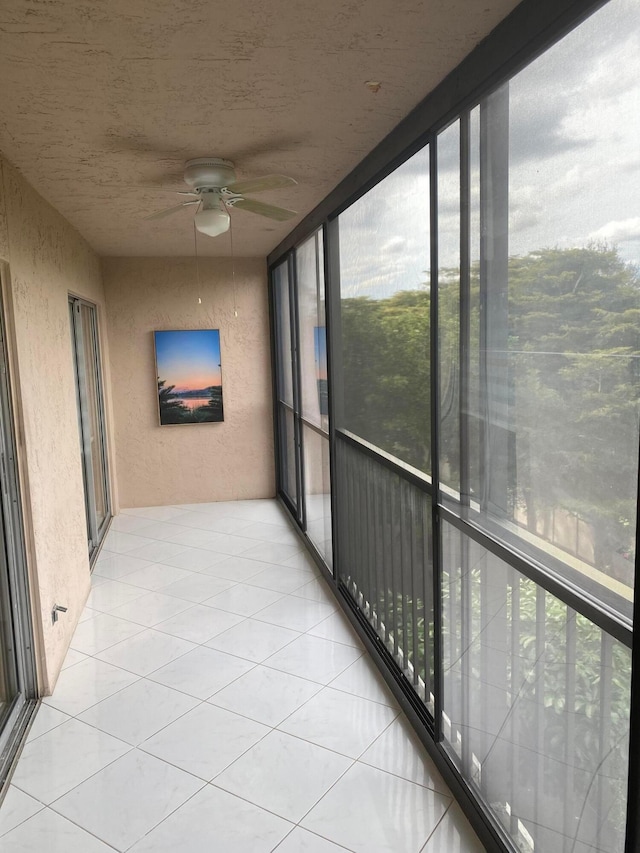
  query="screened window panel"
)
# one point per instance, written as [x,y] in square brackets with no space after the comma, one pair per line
[286,433]
[535,705]
[317,487]
[558,360]
[314,396]
[384,291]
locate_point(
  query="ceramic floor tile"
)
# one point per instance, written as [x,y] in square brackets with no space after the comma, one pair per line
[314,658]
[199,624]
[229,524]
[47,718]
[205,741]
[369,811]
[399,751]
[155,575]
[315,590]
[338,629]
[215,821]
[299,614]
[236,569]
[85,684]
[226,543]
[157,513]
[243,599]
[265,532]
[151,608]
[16,808]
[72,656]
[97,580]
[453,835]
[195,537]
[128,523]
[339,721]
[112,594]
[195,559]
[272,552]
[202,672]
[283,774]
[97,634]
[87,613]
[122,543]
[202,519]
[138,712]
[145,652]
[281,578]
[157,551]
[59,760]
[363,679]
[48,831]
[301,560]
[303,841]
[266,695]
[123,802]
[197,587]
[253,640]
[163,530]
[118,566]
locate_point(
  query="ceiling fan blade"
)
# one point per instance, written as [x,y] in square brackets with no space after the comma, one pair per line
[258,185]
[262,209]
[169,210]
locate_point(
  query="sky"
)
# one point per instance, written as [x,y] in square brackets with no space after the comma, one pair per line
[574,166]
[190,360]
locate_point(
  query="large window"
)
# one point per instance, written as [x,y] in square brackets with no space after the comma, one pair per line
[484,353]
[384,291]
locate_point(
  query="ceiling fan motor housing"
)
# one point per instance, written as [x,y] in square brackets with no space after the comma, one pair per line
[208,172]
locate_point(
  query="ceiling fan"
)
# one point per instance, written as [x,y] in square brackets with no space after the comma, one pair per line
[214,188]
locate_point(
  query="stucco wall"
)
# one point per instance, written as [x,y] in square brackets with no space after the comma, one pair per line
[195,462]
[47,260]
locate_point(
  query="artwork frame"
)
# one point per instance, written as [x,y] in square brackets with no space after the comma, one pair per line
[189,376]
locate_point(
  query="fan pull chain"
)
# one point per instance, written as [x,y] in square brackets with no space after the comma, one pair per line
[233,269]
[195,246]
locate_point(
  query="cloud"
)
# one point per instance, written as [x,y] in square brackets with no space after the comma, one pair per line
[394,246]
[618,231]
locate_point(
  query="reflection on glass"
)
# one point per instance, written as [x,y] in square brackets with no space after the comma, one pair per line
[8,671]
[312,332]
[558,355]
[283,334]
[288,454]
[384,288]
[317,487]
[97,457]
[536,705]
[448,149]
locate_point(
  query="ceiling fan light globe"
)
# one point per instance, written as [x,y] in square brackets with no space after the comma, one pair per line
[212,222]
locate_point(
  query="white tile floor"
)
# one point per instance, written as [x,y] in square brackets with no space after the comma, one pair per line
[215,698]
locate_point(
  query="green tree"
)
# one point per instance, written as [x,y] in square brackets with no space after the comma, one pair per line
[172,410]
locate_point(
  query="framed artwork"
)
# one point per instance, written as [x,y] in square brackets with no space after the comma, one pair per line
[188,369]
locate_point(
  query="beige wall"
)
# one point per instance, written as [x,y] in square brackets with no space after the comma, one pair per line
[47,260]
[195,462]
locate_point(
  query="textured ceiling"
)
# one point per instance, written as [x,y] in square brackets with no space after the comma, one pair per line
[102,101]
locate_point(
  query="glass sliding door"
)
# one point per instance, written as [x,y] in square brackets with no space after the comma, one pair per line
[91,421]
[314,395]
[286,396]
[18,688]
